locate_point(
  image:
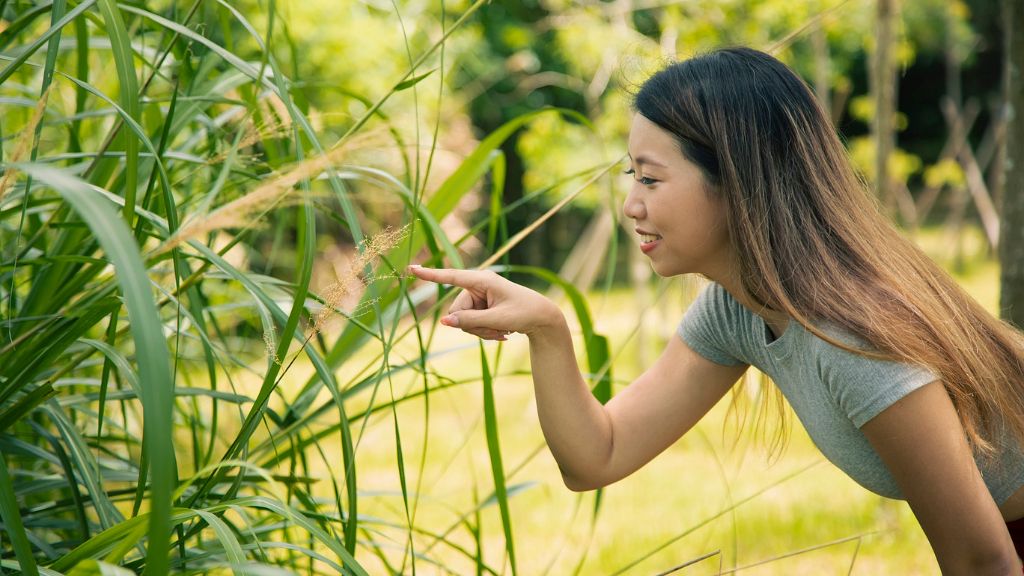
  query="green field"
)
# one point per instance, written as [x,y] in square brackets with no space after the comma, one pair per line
[715,491]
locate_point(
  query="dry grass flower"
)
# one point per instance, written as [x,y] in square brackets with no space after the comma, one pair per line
[371,248]
[24,142]
[253,135]
[238,213]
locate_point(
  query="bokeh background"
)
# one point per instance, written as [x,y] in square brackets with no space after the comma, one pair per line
[212,362]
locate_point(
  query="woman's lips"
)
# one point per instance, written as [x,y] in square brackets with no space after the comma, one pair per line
[646,247]
[648,241]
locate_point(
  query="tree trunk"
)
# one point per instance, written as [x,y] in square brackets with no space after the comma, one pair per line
[1001,116]
[884,85]
[822,75]
[1011,246]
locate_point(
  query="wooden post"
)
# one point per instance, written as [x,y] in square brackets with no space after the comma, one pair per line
[884,85]
[1011,245]
[821,67]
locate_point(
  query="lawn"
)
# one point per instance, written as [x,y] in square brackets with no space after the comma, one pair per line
[718,491]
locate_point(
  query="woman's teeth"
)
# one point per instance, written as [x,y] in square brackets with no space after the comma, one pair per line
[645,238]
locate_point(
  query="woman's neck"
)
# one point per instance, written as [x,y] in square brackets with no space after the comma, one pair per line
[729,278]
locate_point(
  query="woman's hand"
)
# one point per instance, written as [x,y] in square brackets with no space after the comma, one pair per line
[490,306]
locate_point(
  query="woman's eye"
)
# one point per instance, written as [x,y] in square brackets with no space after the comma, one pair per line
[643,179]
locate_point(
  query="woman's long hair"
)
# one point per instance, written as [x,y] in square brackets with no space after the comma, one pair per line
[812,242]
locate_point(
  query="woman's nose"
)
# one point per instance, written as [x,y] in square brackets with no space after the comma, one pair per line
[632,208]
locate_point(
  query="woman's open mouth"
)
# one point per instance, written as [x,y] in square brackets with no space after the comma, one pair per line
[648,242]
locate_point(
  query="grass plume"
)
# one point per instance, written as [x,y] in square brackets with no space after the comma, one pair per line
[24,143]
[371,248]
[239,212]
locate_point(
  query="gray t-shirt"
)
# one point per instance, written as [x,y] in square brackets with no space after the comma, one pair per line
[832,391]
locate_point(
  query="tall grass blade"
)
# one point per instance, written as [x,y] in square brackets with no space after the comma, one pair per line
[14,528]
[22,22]
[147,332]
[413,81]
[225,536]
[236,62]
[98,568]
[596,345]
[27,52]
[49,346]
[121,47]
[24,405]
[441,203]
[494,450]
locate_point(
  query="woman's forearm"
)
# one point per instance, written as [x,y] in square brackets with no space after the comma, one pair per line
[575,424]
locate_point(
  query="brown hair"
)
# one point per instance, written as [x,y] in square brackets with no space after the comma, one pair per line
[812,242]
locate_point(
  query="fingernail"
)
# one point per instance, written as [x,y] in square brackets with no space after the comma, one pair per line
[450,320]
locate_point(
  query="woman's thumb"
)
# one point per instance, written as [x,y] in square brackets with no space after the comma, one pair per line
[466,319]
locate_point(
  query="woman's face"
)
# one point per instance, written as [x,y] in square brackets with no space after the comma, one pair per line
[680,222]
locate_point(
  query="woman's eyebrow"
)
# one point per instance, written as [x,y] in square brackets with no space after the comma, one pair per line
[641,160]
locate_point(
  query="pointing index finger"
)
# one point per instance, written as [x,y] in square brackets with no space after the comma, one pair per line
[455,277]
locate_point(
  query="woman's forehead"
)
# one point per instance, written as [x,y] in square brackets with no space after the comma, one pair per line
[651,144]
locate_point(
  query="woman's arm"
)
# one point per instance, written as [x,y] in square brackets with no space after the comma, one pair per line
[920,440]
[594,445]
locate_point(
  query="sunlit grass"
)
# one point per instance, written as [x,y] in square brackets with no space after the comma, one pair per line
[692,481]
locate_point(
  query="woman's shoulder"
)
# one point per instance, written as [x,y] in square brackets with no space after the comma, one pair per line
[862,380]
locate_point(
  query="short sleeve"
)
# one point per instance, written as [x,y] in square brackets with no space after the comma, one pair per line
[705,326]
[863,387]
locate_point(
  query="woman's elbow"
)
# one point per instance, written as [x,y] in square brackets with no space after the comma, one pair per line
[577,483]
[989,561]
[996,564]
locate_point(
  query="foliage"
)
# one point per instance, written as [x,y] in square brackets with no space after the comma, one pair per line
[141,281]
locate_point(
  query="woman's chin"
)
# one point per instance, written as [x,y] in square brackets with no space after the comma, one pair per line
[666,271]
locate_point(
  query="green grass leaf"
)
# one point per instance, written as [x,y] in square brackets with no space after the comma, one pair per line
[405,85]
[25,53]
[147,332]
[13,526]
[494,450]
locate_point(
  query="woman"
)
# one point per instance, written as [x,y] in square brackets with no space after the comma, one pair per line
[900,378]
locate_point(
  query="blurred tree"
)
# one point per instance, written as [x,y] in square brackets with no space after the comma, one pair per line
[517,67]
[1011,245]
[586,55]
[883,86]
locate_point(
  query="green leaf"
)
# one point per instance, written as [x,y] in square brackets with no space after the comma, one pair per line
[225,536]
[23,21]
[48,346]
[441,203]
[25,405]
[412,81]
[97,568]
[596,345]
[13,526]
[147,331]
[494,450]
[25,53]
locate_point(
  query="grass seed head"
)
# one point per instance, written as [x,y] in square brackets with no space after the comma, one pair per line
[239,212]
[370,249]
[25,141]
